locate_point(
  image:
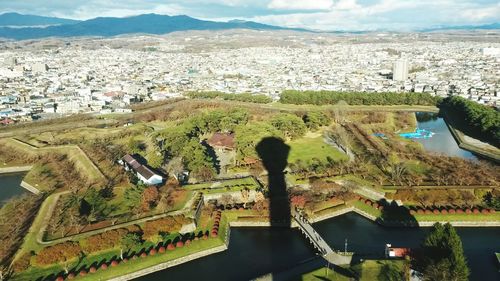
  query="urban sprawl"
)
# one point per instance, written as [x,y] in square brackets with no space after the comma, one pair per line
[104,76]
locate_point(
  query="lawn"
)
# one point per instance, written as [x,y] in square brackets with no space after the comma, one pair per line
[371,270]
[321,274]
[224,185]
[458,217]
[308,148]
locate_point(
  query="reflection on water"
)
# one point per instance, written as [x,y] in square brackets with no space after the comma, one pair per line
[10,186]
[249,257]
[442,141]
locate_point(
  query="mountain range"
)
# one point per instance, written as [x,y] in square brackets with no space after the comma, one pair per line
[19,27]
[109,26]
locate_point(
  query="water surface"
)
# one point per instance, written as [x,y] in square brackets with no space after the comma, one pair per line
[442,141]
[257,251]
[10,186]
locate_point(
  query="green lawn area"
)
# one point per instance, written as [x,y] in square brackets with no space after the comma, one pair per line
[370,270]
[306,149]
[30,243]
[368,209]
[321,274]
[224,185]
[459,217]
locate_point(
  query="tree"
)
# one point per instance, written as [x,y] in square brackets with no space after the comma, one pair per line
[315,119]
[298,201]
[129,241]
[443,254]
[150,197]
[290,125]
[245,196]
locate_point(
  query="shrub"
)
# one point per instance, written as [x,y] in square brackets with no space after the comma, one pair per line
[152,252]
[125,260]
[492,211]
[435,211]
[179,244]
[485,211]
[114,263]
[104,266]
[368,202]
[58,253]
[205,237]
[460,211]
[468,211]
[444,211]
[104,241]
[161,249]
[428,212]
[412,212]
[188,242]
[135,257]
[167,224]
[475,211]
[71,276]
[22,263]
[452,211]
[376,205]
[92,269]
[83,272]
[143,255]
[170,247]
[60,278]
[420,211]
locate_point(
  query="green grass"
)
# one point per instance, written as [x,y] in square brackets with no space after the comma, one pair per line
[368,209]
[224,185]
[458,217]
[306,149]
[369,270]
[321,274]
[30,243]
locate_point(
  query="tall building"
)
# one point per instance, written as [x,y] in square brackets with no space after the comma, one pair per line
[400,70]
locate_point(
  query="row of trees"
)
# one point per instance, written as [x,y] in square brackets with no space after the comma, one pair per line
[356,98]
[245,97]
[15,218]
[483,121]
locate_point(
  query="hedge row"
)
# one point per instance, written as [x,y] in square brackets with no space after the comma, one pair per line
[451,211]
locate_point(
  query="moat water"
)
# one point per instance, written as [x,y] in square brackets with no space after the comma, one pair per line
[442,141]
[256,251]
[10,186]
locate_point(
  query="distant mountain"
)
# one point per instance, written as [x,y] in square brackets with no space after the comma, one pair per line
[15,19]
[465,27]
[148,24]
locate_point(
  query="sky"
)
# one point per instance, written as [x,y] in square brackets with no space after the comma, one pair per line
[325,15]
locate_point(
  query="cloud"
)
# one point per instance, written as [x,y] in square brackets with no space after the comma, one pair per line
[314,14]
[300,5]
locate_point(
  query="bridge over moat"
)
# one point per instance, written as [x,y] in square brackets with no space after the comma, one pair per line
[319,243]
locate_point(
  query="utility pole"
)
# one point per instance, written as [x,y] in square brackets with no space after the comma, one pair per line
[345,247]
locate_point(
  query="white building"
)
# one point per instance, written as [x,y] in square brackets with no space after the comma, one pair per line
[400,70]
[144,173]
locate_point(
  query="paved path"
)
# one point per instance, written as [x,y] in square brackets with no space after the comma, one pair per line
[319,243]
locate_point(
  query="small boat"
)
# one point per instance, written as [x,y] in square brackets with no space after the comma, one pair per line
[418,134]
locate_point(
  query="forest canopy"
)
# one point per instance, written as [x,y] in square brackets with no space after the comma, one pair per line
[357,98]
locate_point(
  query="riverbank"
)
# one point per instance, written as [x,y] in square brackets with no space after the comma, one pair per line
[15,169]
[171,263]
[475,146]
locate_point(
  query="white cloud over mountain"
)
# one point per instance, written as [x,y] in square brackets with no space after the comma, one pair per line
[314,14]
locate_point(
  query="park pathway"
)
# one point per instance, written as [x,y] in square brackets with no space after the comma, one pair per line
[319,243]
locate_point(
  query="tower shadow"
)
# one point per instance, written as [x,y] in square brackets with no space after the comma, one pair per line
[274,154]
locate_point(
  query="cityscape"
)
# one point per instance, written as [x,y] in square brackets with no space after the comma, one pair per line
[269,140]
[108,75]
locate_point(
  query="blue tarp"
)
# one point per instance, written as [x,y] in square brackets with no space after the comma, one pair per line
[418,134]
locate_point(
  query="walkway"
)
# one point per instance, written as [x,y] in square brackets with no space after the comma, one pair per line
[326,251]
